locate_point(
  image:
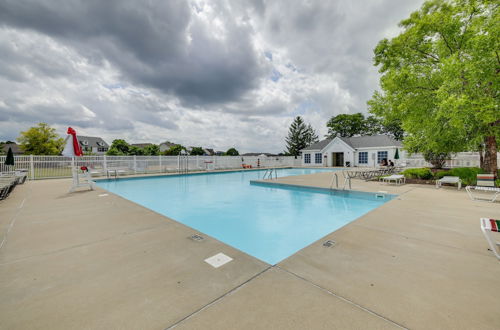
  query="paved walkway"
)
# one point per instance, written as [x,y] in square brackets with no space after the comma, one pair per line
[88,261]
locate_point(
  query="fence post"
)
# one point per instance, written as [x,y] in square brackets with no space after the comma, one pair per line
[178,162]
[32,168]
[197,162]
[159,161]
[105,164]
[135,164]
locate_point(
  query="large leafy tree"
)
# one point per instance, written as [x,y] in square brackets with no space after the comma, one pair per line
[347,125]
[440,78]
[119,147]
[174,150]
[41,140]
[152,150]
[197,151]
[300,136]
[232,152]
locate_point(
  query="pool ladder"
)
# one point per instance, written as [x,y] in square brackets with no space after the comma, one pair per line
[335,178]
[268,174]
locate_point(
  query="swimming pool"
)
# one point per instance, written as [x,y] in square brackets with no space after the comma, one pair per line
[267,222]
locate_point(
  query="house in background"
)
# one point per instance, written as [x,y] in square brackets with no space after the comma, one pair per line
[16,148]
[209,152]
[93,144]
[166,145]
[367,151]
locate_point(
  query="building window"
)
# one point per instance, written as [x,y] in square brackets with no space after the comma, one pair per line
[317,158]
[102,149]
[381,155]
[307,158]
[363,157]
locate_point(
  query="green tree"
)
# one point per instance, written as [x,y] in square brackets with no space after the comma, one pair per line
[197,151]
[135,150]
[152,150]
[175,150]
[440,78]
[437,159]
[346,125]
[232,152]
[119,147]
[41,140]
[299,136]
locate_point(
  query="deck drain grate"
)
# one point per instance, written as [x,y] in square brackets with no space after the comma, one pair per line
[197,238]
[329,243]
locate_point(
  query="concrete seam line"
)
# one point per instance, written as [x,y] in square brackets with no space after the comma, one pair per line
[14,218]
[233,290]
[343,298]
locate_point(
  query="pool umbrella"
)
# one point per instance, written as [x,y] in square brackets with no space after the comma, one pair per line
[396,155]
[9,160]
[72,147]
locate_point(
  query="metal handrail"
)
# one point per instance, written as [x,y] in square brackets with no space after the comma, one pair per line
[269,174]
[336,181]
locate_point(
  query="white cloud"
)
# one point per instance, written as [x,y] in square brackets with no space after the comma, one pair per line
[216,74]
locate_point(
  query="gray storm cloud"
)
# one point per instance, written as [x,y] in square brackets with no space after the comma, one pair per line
[173,70]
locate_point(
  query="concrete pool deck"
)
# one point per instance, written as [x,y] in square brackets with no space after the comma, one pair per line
[93,261]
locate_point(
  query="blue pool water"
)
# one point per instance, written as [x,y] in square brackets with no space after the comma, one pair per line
[267,222]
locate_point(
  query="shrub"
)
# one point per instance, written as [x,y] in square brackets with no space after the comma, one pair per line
[418,173]
[468,175]
[439,174]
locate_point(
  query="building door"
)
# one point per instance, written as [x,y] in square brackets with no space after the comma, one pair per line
[338,159]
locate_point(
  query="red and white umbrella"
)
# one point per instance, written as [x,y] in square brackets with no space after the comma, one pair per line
[72,147]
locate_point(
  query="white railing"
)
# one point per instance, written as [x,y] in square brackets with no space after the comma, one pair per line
[45,167]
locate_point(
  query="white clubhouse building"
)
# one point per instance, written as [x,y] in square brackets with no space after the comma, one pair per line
[360,151]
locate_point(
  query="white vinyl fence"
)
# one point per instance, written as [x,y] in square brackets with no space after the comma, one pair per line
[45,167]
[461,159]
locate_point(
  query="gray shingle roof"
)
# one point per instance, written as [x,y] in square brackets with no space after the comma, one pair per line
[356,142]
[318,145]
[371,141]
[92,141]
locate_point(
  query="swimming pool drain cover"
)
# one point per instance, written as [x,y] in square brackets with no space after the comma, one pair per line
[329,243]
[218,260]
[197,237]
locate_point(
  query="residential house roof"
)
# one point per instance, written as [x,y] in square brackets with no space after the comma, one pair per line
[16,148]
[92,141]
[356,142]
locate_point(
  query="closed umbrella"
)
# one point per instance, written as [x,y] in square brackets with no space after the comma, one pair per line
[9,160]
[396,155]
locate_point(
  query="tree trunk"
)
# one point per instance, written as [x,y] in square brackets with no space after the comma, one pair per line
[481,155]
[490,155]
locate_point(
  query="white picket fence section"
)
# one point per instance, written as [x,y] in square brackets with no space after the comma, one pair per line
[45,167]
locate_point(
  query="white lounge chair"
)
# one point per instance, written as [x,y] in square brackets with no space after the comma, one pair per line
[489,227]
[485,183]
[449,179]
[397,178]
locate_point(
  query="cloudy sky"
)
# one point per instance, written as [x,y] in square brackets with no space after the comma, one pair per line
[211,73]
